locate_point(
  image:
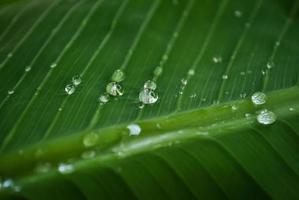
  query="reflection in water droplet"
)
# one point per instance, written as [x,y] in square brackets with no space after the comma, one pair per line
[114,89]
[134,129]
[147,96]
[90,139]
[65,168]
[70,89]
[266,117]
[76,80]
[150,85]
[118,76]
[258,98]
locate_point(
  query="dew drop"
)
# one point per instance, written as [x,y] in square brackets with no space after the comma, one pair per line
[65,168]
[88,154]
[90,139]
[76,80]
[10,91]
[28,68]
[134,129]
[217,59]
[258,98]
[266,117]
[147,96]
[104,98]
[225,76]
[191,72]
[53,65]
[238,13]
[151,85]
[118,76]
[114,89]
[158,71]
[70,89]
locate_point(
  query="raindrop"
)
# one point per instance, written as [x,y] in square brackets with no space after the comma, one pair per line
[191,72]
[88,154]
[217,59]
[53,65]
[147,96]
[158,71]
[151,85]
[118,76]
[65,168]
[70,89]
[266,117]
[114,89]
[225,76]
[134,129]
[258,98]
[90,139]
[76,80]
[238,13]
[104,98]
[28,68]
[10,91]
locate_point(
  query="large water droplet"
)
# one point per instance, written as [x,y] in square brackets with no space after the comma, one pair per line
[70,89]
[150,85]
[266,117]
[114,89]
[76,80]
[147,96]
[65,168]
[90,139]
[258,98]
[118,76]
[134,129]
[104,98]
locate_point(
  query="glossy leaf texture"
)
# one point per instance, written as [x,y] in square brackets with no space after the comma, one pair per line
[198,138]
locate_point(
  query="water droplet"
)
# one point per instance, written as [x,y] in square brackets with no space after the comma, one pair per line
[242,73]
[118,76]
[217,59]
[266,117]
[192,96]
[234,107]
[70,89]
[65,168]
[238,13]
[9,55]
[53,65]
[59,109]
[263,72]
[291,109]
[184,81]
[28,68]
[141,106]
[104,98]
[88,154]
[43,167]
[225,76]
[7,183]
[150,85]
[277,43]
[17,188]
[165,57]
[114,89]
[76,80]
[10,91]
[258,98]
[90,139]
[147,96]
[243,95]
[270,65]
[247,115]
[191,72]
[158,71]
[134,129]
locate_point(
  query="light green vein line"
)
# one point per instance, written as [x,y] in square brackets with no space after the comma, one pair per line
[276,45]
[13,21]
[237,48]
[12,132]
[47,42]
[149,16]
[171,43]
[90,62]
[203,49]
[26,36]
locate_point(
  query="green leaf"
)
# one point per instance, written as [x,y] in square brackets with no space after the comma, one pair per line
[200,140]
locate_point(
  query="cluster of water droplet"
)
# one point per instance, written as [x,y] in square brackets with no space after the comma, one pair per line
[71,88]
[148,95]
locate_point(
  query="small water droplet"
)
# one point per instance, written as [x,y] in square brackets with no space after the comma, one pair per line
[134,129]
[59,109]
[263,72]
[192,96]
[258,98]
[10,92]
[238,13]
[242,73]
[76,80]
[43,167]
[28,68]
[217,59]
[243,95]
[234,107]
[65,168]
[147,96]
[270,65]
[277,43]
[165,57]
[7,183]
[141,106]
[224,76]
[70,89]
[88,154]
[291,109]
[191,72]
[118,76]
[151,85]
[158,126]
[114,89]
[17,188]
[104,98]
[158,71]
[266,117]
[184,81]
[90,139]
[9,55]
[53,65]
[247,115]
